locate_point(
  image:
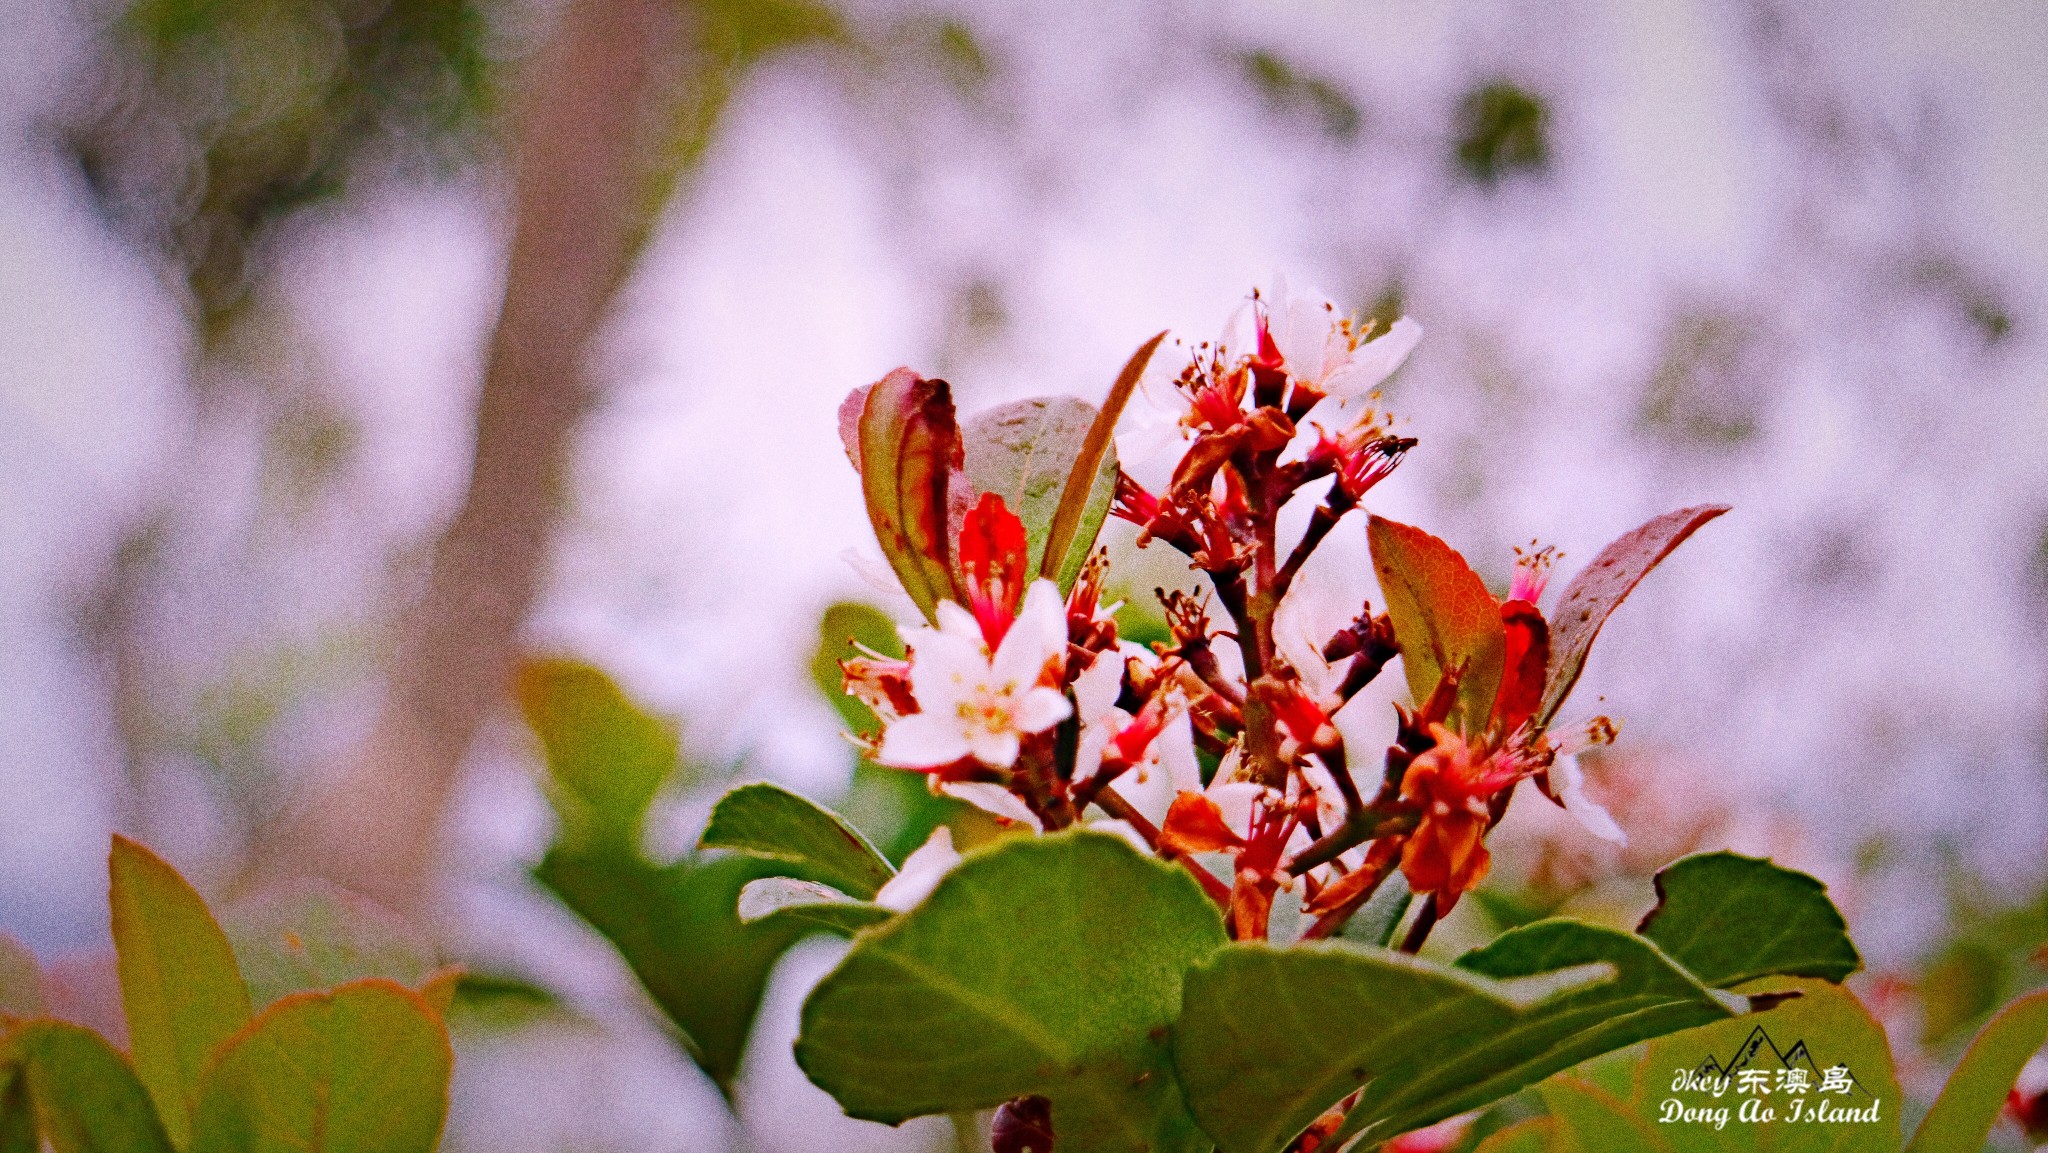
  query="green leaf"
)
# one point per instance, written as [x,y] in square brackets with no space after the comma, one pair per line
[1586,1119]
[21,980]
[1269,1039]
[85,1097]
[1822,1027]
[498,1002]
[363,1069]
[1598,590]
[764,820]
[308,935]
[1048,966]
[844,626]
[1731,919]
[179,983]
[678,928]
[1970,1103]
[905,440]
[807,903]
[1531,1136]
[1022,452]
[1083,478]
[606,756]
[1443,619]
[1377,920]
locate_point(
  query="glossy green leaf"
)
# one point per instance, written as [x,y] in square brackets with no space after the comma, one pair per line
[85,1097]
[764,820]
[1731,919]
[363,1069]
[1022,452]
[308,935]
[798,902]
[904,438]
[21,980]
[1269,1039]
[1443,619]
[678,928]
[1531,1136]
[180,986]
[1822,1027]
[1598,590]
[1048,966]
[1970,1103]
[606,756]
[1586,1119]
[1380,917]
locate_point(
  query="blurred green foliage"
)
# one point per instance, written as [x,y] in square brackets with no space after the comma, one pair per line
[607,758]
[210,120]
[1995,950]
[1703,390]
[1502,129]
[1287,89]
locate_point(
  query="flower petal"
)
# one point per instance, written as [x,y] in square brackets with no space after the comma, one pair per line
[944,670]
[1040,709]
[1375,360]
[1174,749]
[1571,789]
[992,799]
[921,872]
[1096,689]
[957,622]
[923,741]
[1235,799]
[1038,636]
[997,750]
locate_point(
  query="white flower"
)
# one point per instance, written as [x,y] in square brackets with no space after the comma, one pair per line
[921,872]
[972,703]
[1154,434]
[1321,347]
[1169,763]
[1570,782]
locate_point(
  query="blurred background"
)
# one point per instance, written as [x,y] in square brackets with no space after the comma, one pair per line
[349,348]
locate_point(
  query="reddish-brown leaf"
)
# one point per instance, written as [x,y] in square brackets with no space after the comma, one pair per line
[909,450]
[1599,589]
[1444,619]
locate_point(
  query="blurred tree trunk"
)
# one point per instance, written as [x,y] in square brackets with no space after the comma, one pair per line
[588,146]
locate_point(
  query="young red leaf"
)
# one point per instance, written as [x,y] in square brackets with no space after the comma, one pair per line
[1600,587]
[1444,619]
[1523,666]
[908,451]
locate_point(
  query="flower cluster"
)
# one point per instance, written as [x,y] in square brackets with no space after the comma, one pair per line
[1018,695]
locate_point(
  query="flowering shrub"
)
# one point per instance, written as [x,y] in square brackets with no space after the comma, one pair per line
[1107,979]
